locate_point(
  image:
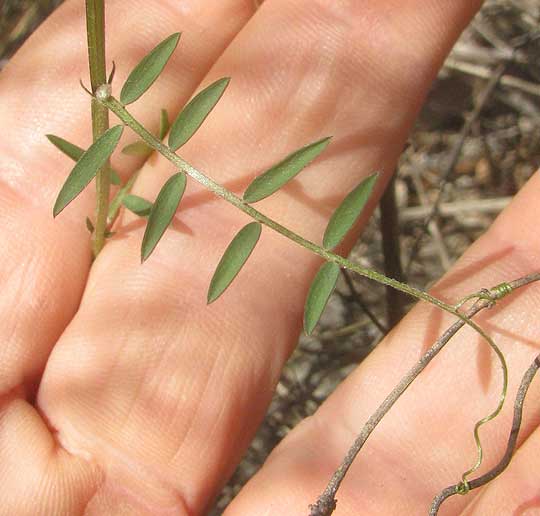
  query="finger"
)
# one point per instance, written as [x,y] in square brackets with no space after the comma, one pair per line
[425,443]
[53,92]
[147,347]
[45,262]
[33,469]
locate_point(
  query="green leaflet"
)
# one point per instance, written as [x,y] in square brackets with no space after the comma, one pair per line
[320,291]
[75,152]
[233,259]
[69,149]
[162,212]
[274,178]
[148,70]
[137,205]
[163,124]
[195,112]
[138,148]
[348,212]
[87,167]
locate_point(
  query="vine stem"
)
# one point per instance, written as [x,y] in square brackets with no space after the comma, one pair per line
[103,96]
[95,30]
[510,446]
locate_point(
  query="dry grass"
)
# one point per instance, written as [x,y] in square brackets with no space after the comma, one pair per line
[18,18]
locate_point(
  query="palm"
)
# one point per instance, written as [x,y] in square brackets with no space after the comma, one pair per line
[123,393]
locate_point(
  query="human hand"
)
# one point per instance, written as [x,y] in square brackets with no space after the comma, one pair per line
[122,392]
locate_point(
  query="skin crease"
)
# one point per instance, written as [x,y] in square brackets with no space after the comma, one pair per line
[121,392]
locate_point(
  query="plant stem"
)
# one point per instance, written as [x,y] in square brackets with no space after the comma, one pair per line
[357,298]
[396,302]
[116,203]
[95,29]
[326,502]
[119,110]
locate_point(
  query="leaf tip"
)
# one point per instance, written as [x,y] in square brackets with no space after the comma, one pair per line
[247,197]
[323,143]
[56,209]
[308,330]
